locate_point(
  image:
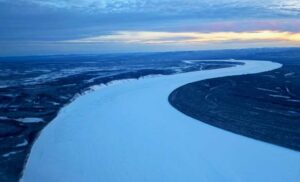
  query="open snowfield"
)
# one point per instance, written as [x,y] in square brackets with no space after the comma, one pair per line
[128,132]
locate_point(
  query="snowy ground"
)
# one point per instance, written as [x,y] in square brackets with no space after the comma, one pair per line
[128,132]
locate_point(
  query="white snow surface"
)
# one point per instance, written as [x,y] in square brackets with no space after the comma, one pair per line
[30,120]
[128,132]
[24,143]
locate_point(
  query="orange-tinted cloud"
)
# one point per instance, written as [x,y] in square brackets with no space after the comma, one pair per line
[147,37]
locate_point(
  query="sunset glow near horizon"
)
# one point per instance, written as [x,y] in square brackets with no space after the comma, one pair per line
[104,26]
[144,37]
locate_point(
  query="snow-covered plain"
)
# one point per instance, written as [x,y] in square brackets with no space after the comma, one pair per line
[128,132]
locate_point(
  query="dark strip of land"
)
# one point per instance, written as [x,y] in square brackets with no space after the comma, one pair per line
[264,106]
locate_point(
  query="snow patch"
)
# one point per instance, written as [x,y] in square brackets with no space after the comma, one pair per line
[188,62]
[30,120]
[280,96]
[10,154]
[24,143]
[293,100]
[268,90]
[289,74]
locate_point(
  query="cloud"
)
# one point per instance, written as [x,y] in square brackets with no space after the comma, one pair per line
[86,23]
[210,8]
[145,37]
[291,7]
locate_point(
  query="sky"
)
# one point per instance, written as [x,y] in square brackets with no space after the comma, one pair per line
[39,27]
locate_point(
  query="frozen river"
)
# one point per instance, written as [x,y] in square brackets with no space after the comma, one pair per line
[129,132]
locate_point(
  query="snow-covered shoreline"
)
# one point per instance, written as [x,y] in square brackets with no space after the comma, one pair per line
[129,132]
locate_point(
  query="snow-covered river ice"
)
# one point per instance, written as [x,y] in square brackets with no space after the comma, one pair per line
[130,132]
